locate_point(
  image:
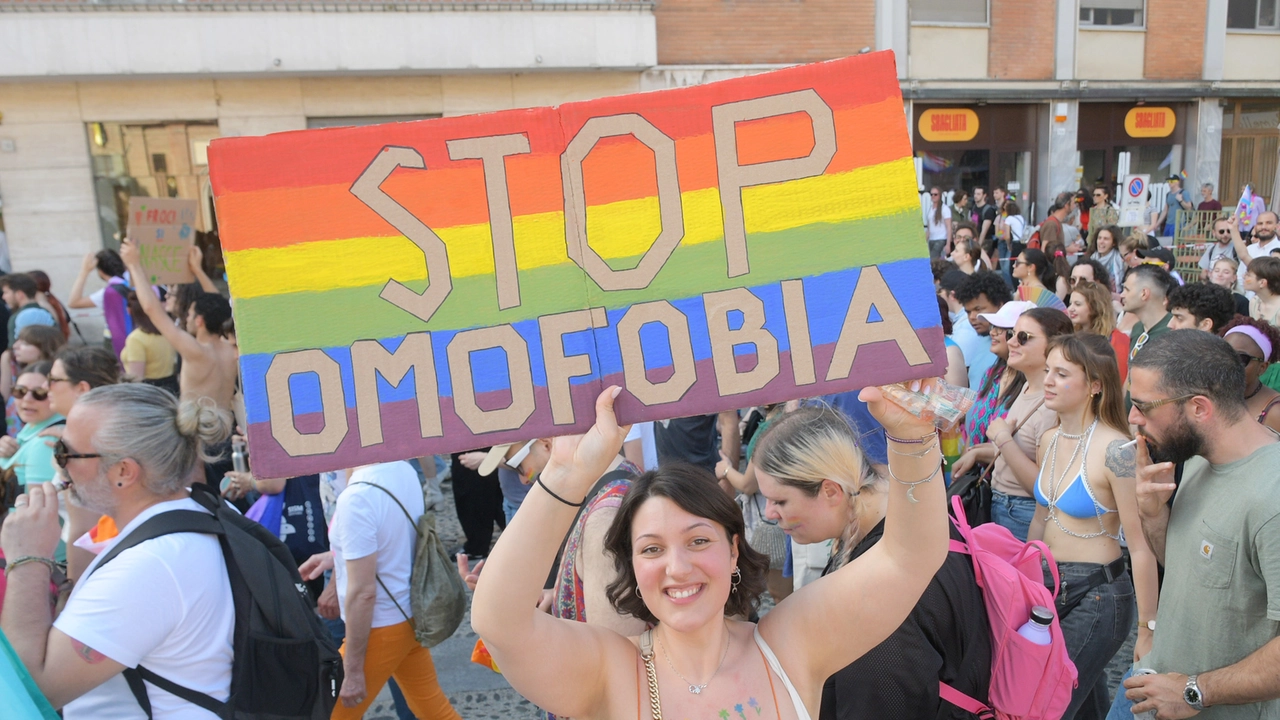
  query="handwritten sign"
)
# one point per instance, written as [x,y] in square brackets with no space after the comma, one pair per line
[164,229]
[442,285]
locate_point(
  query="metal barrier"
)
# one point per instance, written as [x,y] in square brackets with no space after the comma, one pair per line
[1193,232]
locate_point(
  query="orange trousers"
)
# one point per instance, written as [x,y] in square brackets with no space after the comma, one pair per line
[394,652]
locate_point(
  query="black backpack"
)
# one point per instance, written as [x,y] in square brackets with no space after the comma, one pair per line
[286,665]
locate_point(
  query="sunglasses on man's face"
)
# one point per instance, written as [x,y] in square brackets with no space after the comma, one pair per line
[1223,231]
[62,453]
[38,394]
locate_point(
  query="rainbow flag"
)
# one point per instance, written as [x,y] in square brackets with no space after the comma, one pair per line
[308,261]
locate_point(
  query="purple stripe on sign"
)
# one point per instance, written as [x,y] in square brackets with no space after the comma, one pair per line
[875,364]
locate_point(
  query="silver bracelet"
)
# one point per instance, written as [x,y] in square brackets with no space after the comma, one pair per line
[918,454]
[911,486]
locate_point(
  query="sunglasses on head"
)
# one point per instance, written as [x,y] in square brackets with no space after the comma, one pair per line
[39,394]
[62,453]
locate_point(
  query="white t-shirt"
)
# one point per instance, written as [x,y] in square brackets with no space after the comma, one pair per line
[367,521]
[165,604]
[1256,250]
[937,230]
[643,431]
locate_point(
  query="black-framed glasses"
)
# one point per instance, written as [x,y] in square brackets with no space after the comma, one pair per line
[1020,263]
[1146,407]
[964,238]
[1246,358]
[1023,337]
[38,394]
[62,453]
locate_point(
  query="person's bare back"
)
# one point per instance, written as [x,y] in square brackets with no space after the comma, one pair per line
[210,373]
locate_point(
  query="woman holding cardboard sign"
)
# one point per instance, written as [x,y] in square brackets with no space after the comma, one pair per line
[677,544]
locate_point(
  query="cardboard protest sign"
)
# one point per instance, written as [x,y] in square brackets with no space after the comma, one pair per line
[442,285]
[164,229]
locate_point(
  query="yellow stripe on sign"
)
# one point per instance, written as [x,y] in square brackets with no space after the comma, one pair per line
[617,230]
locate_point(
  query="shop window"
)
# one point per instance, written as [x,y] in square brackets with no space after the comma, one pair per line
[153,160]
[1253,14]
[361,121]
[959,12]
[1112,13]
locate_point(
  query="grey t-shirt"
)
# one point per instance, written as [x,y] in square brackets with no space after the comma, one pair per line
[1221,596]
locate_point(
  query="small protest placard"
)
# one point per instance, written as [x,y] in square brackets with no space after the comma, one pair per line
[164,229]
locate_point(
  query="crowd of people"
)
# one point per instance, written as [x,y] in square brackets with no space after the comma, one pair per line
[1122,420]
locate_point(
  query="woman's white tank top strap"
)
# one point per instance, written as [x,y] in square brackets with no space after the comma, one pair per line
[802,713]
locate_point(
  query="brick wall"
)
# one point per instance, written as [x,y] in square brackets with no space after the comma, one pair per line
[1022,39]
[762,31]
[1175,39]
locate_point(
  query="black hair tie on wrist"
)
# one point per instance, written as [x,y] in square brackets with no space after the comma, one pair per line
[550,492]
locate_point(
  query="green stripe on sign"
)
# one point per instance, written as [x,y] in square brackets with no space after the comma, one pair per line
[277,323]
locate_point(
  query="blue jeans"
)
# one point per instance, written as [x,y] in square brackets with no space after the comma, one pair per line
[509,509]
[1013,512]
[1122,707]
[1094,630]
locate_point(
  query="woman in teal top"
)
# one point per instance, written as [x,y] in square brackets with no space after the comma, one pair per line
[29,455]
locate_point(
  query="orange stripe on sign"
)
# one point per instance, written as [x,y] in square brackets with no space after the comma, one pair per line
[618,169]
[334,156]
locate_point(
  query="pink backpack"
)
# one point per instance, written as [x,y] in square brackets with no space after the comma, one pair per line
[1028,681]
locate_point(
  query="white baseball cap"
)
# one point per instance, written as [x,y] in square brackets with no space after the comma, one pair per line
[1008,315]
[498,454]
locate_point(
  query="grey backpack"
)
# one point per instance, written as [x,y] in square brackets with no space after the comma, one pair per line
[438,597]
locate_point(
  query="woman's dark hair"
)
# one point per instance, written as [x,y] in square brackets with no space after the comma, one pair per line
[695,491]
[1053,322]
[1011,208]
[1100,274]
[47,339]
[1043,268]
[214,310]
[109,263]
[93,365]
[39,367]
[945,312]
[45,285]
[1271,332]
[139,315]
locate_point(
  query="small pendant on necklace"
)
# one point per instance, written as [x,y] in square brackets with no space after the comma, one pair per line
[911,496]
[696,689]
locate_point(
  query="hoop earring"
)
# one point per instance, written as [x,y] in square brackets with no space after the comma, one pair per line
[737,580]
[638,593]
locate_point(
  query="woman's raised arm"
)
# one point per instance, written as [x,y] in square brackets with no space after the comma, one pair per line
[558,665]
[832,622]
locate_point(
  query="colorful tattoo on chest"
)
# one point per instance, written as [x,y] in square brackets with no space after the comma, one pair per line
[741,711]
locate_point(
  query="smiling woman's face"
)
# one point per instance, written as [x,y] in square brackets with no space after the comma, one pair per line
[683,564]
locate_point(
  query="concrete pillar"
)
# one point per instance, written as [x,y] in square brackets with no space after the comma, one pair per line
[1208,148]
[1064,45]
[892,24]
[1061,156]
[1215,40]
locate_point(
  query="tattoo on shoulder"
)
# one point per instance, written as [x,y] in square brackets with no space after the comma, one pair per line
[86,653]
[1122,461]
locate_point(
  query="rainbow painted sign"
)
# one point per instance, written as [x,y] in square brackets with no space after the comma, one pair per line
[442,285]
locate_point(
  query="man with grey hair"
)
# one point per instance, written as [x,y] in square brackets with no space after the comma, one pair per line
[128,451]
[1208,203]
[1216,650]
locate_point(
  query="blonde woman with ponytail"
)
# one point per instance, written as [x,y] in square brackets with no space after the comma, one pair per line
[820,486]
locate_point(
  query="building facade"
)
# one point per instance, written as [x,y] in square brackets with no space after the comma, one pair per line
[103,100]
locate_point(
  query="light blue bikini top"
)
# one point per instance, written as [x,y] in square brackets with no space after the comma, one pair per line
[1076,499]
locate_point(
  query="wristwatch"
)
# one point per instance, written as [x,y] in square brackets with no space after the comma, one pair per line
[1192,695]
[1151,625]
